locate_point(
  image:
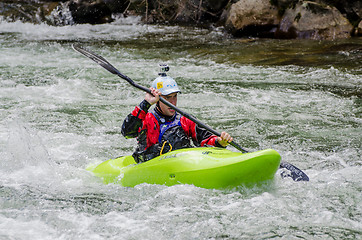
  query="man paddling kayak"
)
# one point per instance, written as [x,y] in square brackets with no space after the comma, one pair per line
[163,129]
[296,173]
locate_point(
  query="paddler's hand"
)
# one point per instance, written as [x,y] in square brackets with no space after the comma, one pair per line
[224,139]
[154,97]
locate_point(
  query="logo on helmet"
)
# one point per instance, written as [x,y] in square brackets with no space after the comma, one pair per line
[159,85]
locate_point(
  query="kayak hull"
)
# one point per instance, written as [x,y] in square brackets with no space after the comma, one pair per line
[213,168]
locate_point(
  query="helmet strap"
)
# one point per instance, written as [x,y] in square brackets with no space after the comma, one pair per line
[158,107]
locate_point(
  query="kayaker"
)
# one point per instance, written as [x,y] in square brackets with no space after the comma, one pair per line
[163,129]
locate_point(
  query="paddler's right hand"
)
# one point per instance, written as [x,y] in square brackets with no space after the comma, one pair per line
[154,97]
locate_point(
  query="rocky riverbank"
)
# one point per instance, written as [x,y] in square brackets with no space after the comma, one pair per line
[314,19]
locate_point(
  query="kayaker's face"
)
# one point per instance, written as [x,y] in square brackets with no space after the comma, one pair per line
[167,111]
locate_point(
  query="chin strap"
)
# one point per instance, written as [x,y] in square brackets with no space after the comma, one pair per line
[158,108]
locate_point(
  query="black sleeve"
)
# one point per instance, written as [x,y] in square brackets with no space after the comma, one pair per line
[133,121]
[204,135]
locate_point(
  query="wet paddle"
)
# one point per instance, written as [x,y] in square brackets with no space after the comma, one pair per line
[295,173]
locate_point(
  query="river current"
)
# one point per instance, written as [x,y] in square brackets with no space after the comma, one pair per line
[60,112]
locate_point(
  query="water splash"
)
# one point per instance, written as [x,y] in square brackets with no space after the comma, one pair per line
[25,148]
[61,15]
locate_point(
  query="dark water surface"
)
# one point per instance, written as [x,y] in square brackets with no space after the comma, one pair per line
[60,112]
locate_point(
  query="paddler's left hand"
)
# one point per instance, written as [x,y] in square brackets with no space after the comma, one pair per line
[224,139]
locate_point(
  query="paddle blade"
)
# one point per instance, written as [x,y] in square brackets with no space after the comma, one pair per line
[295,173]
[98,59]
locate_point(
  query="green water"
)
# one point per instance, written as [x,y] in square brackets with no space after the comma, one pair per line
[60,112]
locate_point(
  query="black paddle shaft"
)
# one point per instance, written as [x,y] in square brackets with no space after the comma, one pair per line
[296,173]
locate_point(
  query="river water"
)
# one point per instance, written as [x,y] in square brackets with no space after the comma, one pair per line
[60,112]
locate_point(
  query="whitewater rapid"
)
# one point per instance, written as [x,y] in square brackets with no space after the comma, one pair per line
[60,112]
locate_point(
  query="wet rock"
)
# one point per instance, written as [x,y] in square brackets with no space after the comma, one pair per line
[71,12]
[310,20]
[358,31]
[14,10]
[48,7]
[39,11]
[352,9]
[117,6]
[252,18]
[90,11]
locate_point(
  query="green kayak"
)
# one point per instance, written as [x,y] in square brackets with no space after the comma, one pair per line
[206,167]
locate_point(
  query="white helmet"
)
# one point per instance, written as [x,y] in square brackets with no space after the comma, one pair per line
[165,84]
